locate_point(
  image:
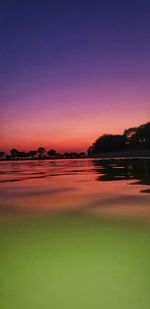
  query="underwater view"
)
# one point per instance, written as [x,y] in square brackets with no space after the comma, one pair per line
[75,233]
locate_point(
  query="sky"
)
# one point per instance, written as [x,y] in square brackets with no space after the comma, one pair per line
[72,71]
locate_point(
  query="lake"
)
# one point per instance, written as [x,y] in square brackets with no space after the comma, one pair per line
[107,186]
[75,234]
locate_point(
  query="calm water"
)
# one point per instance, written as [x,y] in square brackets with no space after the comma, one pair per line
[78,259]
[102,186]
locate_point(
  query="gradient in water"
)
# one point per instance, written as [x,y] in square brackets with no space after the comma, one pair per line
[75,234]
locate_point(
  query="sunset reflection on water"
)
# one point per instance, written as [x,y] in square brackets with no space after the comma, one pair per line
[101,186]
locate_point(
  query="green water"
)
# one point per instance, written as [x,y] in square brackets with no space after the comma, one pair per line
[56,251]
[74,262]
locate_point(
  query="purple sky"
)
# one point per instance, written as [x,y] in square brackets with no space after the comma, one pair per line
[72,70]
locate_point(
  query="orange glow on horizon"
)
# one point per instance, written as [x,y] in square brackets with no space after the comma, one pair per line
[69,128]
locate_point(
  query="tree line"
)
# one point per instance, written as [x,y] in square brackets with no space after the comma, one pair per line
[132,139]
[40,153]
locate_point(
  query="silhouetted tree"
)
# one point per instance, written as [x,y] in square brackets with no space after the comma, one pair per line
[82,154]
[108,143]
[90,151]
[41,152]
[31,153]
[137,138]
[51,153]
[142,136]
[2,154]
[14,153]
[22,154]
[66,155]
[130,133]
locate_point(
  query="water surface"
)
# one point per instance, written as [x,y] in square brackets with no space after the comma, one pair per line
[100,186]
[75,256]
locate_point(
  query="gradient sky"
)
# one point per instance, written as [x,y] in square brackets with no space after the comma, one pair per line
[72,70]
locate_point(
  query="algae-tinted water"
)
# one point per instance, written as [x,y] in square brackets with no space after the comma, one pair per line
[75,234]
[74,262]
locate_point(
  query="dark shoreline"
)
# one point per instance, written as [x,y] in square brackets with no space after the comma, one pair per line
[139,154]
[128,154]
